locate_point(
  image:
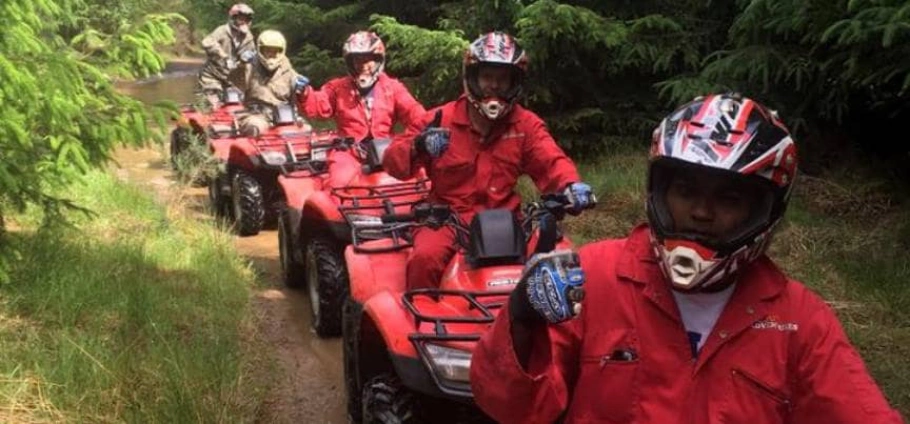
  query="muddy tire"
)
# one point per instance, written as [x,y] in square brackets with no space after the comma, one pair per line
[293,271]
[246,197]
[180,143]
[327,280]
[217,201]
[350,342]
[387,401]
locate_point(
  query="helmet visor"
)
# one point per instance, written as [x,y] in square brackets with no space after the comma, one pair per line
[720,209]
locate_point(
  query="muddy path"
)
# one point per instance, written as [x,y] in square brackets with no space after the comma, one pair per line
[308,385]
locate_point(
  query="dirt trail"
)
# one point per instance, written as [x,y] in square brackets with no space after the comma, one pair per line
[308,385]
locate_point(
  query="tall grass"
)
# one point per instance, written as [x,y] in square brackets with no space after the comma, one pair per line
[845,236]
[130,314]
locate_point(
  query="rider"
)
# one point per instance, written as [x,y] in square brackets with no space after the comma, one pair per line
[475,148]
[223,48]
[365,104]
[267,80]
[686,320]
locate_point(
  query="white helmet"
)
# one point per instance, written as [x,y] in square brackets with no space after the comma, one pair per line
[274,40]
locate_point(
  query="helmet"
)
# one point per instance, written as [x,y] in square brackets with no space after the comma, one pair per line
[360,44]
[271,39]
[500,50]
[236,13]
[710,152]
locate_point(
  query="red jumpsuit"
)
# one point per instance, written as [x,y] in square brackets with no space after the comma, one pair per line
[777,355]
[340,99]
[473,175]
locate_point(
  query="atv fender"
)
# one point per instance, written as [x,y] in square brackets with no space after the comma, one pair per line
[320,206]
[384,314]
[242,153]
[221,149]
[320,213]
[371,273]
[393,322]
[295,192]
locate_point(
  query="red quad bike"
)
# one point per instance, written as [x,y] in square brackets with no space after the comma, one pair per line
[316,221]
[407,353]
[194,125]
[247,190]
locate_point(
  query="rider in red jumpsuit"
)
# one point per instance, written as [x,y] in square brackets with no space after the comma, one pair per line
[365,104]
[686,320]
[475,148]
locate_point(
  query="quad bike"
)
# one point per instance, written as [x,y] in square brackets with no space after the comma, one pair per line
[408,352]
[246,188]
[316,220]
[195,125]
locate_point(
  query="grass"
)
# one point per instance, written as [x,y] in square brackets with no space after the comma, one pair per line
[133,314]
[845,236]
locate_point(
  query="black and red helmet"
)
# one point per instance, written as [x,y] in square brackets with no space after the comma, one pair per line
[494,49]
[364,44]
[732,138]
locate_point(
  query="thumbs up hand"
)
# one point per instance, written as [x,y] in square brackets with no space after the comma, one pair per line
[433,140]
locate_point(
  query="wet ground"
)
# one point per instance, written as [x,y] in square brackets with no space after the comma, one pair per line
[308,387]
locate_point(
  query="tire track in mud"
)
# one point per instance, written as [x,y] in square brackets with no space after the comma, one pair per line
[307,382]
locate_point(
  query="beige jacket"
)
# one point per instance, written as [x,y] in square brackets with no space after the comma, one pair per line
[220,45]
[263,89]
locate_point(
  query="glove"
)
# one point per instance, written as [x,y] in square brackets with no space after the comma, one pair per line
[550,288]
[433,140]
[300,83]
[580,197]
[247,56]
[231,64]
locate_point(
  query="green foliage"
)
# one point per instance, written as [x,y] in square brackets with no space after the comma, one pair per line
[132,315]
[60,114]
[432,59]
[819,62]
[131,50]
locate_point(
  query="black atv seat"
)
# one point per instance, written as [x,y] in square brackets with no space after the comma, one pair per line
[496,239]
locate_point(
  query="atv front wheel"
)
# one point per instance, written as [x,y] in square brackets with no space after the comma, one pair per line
[180,143]
[293,271]
[387,401]
[217,200]
[327,279]
[246,196]
[350,341]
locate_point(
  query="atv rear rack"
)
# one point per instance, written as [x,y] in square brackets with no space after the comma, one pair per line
[360,203]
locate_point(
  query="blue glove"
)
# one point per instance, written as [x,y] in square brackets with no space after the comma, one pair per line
[550,288]
[247,56]
[433,140]
[300,83]
[580,197]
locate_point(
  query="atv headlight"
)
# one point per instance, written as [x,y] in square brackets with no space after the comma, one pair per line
[274,158]
[358,220]
[450,364]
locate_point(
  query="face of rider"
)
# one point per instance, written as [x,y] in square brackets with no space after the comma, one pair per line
[364,64]
[706,203]
[494,81]
[270,52]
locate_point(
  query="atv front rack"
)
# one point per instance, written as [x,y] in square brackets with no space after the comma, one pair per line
[483,315]
[362,207]
[477,301]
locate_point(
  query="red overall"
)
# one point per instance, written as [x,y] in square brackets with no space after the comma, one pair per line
[777,355]
[473,175]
